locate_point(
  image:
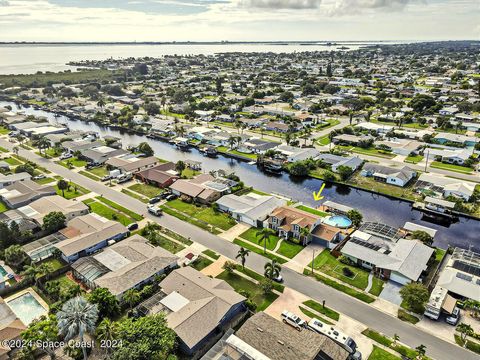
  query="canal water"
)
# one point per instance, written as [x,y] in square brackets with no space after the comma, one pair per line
[374,207]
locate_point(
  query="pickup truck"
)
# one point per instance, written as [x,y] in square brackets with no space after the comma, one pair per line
[293,320]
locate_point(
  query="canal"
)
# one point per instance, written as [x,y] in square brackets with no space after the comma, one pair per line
[374,207]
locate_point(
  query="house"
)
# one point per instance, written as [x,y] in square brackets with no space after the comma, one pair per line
[293,153]
[448,111]
[379,128]
[197,307]
[445,186]
[380,248]
[11,328]
[397,177]
[39,131]
[126,265]
[204,188]
[130,163]
[7,180]
[162,175]
[335,161]
[459,139]
[37,209]
[80,145]
[24,192]
[88,234]
[289,222]
[401,146]
[252,209]
[262,337]
[347,139]
[99,155]
[257,146]
[457,156]
[461,274]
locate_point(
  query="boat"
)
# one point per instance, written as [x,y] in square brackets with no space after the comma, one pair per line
[210,151]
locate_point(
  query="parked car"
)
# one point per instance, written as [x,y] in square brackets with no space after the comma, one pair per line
[155,210]
[154,200]
[278,279]
[132,226]
[124,177]
[293,320]
[65,156]
[165,194]
[454,317]
[106,178]
[39,177]
[171,197]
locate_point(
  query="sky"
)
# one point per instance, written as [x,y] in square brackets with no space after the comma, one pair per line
[238,20]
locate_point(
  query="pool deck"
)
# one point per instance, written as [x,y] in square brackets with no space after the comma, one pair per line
[34,294]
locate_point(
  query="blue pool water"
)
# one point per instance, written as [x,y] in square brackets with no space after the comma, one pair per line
[341,222]
[27,308]
[3,272]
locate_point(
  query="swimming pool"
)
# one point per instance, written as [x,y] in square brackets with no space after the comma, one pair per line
[3,272]
[341,222]
[26,307]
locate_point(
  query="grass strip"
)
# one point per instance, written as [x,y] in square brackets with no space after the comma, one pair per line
[256,250]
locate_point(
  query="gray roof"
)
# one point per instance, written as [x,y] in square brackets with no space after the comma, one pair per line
[405,173]
[254,207]
[282,342]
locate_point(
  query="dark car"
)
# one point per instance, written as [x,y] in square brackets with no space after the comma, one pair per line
[171,197]
[154,200]
[132,226]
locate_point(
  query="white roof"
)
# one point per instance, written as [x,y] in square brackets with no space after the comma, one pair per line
[174,301]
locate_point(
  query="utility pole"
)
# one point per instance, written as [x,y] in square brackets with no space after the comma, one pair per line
[313,258]
[426,160]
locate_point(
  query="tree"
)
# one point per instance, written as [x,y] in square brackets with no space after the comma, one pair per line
[356,217]
[131,297]
[264,236]
[34,272]
[107,302]
[464,330]
[43,143]
[421,350]
[25,168]
[152,108]
[229,266]
[101,103]
[272,269]
[267,286]
[107,330]
[148,337]
[180,166]
[15,255]
[420,103]
[42,330]
[415,296]
[62,185]
[145,148]
[53,221]
[423,236]
[76,318]
[344,172]
[242,254]
[396,338]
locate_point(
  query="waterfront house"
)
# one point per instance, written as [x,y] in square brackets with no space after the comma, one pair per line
[293,153]
[200,309]
[252,209]
[99,155]
[381,249]
[335,161]
[392,176]
[126,265]
[445,186]
[130,163]
[88,234]
[203,188]
[24,192]
[162,175]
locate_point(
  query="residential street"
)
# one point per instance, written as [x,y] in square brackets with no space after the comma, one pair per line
[366,314]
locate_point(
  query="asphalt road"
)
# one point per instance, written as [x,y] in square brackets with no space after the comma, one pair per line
[368,315]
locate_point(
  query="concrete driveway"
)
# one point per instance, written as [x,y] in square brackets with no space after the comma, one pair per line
[391,293]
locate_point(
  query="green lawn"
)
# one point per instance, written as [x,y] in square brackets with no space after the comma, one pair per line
[147,190]
[2,149]
[415,159]
[211,254]
[224,149]
[108,212]
[383,188]
[134,195]
[99,171]
[324,140]
[167,244]
[12,161]
[3,207]
[201,263]
[190,220]
[89,175]
[74,161]
[3,130]
[258,277]
[189,173]
[53,262]
[118,207]
[289,249]
[203,213]
[332,314]
[311,315]
[328,264]
[388,342]
[255,291]
[369,151]
[44,181]
[380,354]
[73,191]
[405,316]
[254,249]
[312,211]
[176,236]
[250,235]
[456,168]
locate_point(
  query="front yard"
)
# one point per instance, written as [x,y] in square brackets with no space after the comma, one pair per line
[328,264]
[451,167]
[108,212]
[203,213]
[147,190]
[73,191]
[250,235]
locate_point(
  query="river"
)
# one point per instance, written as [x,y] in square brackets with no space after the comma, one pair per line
[374,207]
[30,58]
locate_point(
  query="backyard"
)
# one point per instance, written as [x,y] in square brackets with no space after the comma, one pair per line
[370,184]
[328,264]
[203,213]
[3,207]
[255,291]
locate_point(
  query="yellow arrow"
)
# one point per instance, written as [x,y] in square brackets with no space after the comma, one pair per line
[316,195]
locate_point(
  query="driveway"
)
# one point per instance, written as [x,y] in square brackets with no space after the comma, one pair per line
[362,312]
[391,293]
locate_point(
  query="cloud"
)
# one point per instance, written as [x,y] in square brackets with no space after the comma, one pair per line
[4,3]
[281,4]
[344,7]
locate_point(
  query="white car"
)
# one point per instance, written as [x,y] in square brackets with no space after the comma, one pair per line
[155,210]
[293,320]
[65,156]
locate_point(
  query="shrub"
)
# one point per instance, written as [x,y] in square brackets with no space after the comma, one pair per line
[347,272]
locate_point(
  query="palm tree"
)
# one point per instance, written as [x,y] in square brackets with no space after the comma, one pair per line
[101,103]
[43,143]
[264,236]
[272,269]
[242,254]
[232,140]
[62,185]
[150,229]
[131,297]
[421,350]
[76,318]
[396,337]
[15,150]
[464,330]
[179,130]
[107,330]
[34,272]
[304,232]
